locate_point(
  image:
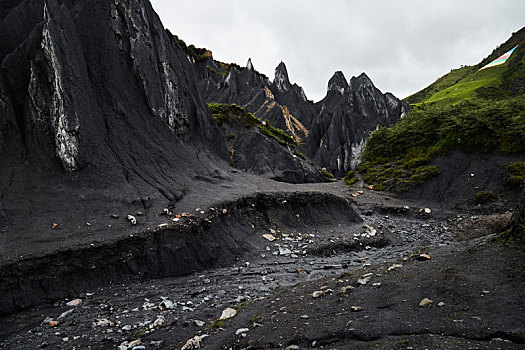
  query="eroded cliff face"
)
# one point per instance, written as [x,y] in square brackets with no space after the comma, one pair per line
[99,109]
[333,130]
[345,118]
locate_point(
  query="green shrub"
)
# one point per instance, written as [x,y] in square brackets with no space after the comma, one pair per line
[327,174]
[350,178]
[515,173]
[484,197]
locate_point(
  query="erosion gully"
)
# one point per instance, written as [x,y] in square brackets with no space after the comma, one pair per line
[159,289]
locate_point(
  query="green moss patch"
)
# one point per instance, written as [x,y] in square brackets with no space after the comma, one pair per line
[484,197]
[515,174]
[350,178]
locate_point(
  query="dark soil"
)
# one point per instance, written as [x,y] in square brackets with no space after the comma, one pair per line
[156,287]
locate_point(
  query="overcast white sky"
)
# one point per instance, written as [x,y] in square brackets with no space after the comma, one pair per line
[402,45]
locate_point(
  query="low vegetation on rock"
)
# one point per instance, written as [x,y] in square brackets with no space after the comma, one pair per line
[223,112]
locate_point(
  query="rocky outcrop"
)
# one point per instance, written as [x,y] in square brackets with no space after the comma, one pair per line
[346,116]
[333,130]
[98,108]
[256,149]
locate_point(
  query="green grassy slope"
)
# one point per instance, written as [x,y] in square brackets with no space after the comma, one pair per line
[467,109]
[468,82]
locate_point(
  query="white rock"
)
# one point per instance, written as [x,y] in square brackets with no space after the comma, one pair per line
[199,323]
[369,230]
[75,302]
[103,322]
[126,327]
[194,343]
[241,330]
[132,219]
[159,321]
[318,293]
[168,304]
[363,281]
[428,211]
[269,237]
[227,313]
[272,231]
[284,251]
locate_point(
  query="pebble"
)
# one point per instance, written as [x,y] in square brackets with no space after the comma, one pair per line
[132,219]
[199,323]
[241,330]
[269,237]
[440,304]
[363,281]
[356,308]
[75,302]
[425,302]
[292,347]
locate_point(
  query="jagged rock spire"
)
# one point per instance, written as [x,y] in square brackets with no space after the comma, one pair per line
[362,81]
[338,83]
[281,79]
[249,65]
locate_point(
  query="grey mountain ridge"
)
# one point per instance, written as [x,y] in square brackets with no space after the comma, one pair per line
[333,130]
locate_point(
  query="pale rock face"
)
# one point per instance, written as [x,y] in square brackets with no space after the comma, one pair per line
[281,80]
[357,150]
[63,122]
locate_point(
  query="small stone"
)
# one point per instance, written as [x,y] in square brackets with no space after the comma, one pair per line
[284,251]
[65,314]
[427,211]
[424,257]
[52,324]
[114,216]
[55,225]
[163,225]
[126,328]
[292,347]
[356,308]
[134,343]
[369,230]
[140,347]
[132,219]
[377,284]
[199,323]
[305,317]
[74,303]
[318,293]
[395,266]
[485,292]
[272,231]
[363,281]
[241,330]
[440,304]
[343,290]
[269,237]
[227,313]
[194,343]
[425,302]
[159,321]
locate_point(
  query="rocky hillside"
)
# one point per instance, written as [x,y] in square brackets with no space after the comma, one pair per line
[99,108]
[463,139]
[333,130]
[469,82]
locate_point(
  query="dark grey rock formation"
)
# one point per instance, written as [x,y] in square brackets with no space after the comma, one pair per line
[257,153]
[333,130]
[98,109]
[346,116]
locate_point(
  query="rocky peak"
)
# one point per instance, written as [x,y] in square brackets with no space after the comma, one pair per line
[338,83]
[361,82]
[281,80]
[249,65]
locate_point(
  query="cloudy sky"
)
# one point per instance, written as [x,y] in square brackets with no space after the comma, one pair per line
[403,45]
